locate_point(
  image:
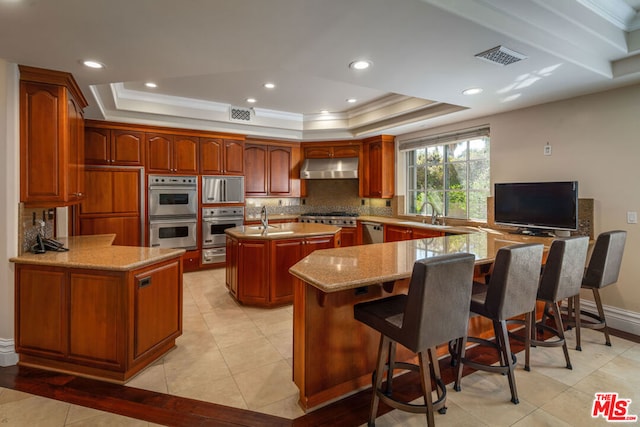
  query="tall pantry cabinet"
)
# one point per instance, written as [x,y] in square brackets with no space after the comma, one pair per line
[51,138]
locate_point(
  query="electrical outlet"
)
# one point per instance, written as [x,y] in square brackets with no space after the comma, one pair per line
[547,150]
[632,217]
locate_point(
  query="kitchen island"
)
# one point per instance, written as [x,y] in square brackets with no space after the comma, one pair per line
[333,354]
[98,310]
[258,259]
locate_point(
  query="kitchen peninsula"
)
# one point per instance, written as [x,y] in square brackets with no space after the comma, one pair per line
[258,259]
[333,354]
[98,310]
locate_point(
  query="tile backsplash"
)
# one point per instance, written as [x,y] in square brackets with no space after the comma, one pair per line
[323,196]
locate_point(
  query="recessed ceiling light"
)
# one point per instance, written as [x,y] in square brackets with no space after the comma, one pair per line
[352,100]
[93,64]
[251,100]
[472,91]
[360,65]
[269,85]
[324,111]
[151,84]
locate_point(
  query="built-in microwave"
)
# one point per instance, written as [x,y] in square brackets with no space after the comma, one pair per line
[222,189]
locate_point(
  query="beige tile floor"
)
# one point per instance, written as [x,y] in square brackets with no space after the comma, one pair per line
[241,356]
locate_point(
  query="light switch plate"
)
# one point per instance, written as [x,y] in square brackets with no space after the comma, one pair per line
[632,217]
[547,150]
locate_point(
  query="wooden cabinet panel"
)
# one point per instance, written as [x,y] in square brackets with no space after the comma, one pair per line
[284,254]
[221,156]
[256,167]
[51,138]
[41,296]
[233,157]
[156,315]
[185,154]
[97,146]
[191,260]
[211,156]
[328,150]
[348,236]
[231,272]
[126,229]
[279,171]
[127,148]
[113,147]
[112,204]
[253,268]
[394,233]
[378,171]
[159,149]
[95,319]
[321,242]
[268,170]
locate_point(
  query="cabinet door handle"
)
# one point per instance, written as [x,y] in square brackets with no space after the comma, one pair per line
[143,283]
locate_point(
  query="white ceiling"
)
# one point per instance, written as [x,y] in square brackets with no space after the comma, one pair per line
[208,55]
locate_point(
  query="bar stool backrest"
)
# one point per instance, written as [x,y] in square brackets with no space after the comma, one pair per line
[564,269]
[604,265]
[513,285]
[438,300]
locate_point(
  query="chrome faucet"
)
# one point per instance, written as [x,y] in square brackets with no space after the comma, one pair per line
[263,218]
[434,213]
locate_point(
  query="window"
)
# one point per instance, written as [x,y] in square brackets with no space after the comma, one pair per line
[449,173]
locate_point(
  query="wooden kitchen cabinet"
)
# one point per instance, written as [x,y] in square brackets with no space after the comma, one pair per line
[268,170]
[219,156]
[378,168]
[51,138]
[113,204]
[349,236]
[396,233]
[113,147]
[171,153]
[326,150]
[108,324]
[257,271]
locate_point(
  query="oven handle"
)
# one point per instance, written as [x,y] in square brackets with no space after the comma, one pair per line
[223,219]
[173,188]
[173,221]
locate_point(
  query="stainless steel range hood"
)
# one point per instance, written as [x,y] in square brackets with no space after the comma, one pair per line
[342,168]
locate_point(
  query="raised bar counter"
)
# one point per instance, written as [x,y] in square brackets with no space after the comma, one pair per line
[333,354]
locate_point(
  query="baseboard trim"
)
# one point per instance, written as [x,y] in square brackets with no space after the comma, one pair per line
[8,355]
[617,318]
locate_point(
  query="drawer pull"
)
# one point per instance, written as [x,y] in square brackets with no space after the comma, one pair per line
[143,283]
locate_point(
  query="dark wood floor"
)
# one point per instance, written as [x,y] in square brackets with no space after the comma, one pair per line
[171,410]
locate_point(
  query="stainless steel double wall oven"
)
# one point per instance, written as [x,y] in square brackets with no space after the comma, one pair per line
[173,211]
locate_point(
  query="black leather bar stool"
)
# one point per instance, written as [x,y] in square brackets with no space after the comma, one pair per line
[560,279]
[603,270]
[511,291]
[434,311]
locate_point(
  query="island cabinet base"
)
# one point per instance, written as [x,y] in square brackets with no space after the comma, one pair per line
[101,324]
[334,354]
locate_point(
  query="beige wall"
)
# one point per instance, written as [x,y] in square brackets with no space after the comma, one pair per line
[9,176]
[595,139]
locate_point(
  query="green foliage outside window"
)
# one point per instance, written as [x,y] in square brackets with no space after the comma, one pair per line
[453,178]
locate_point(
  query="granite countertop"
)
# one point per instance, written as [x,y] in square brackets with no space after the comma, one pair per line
[333,270]
[417,223]
[96,252]
[289,230]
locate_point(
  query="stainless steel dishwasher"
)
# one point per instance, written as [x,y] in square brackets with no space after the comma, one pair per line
[372,232]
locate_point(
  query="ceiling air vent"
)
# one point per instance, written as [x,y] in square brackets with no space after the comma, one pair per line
[501,55]
[239,114]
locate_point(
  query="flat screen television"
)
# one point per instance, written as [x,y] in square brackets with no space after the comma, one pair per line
[537,206]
